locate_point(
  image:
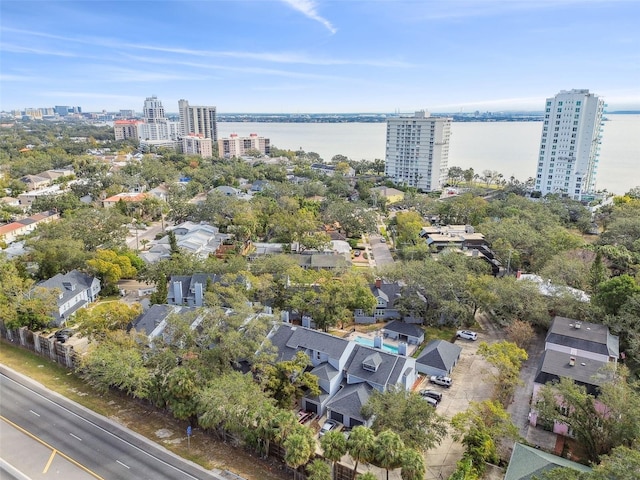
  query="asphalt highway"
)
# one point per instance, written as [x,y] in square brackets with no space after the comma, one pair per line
[57,434]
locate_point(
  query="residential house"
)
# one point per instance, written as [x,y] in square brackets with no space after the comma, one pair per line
[391,195]
[35,182]
[127,197]
[330,170]
[403,332]
[387,295]
[322,260]
[548,289]
[527,463]
[189,289]
[438,358]
[153,322]
[580,351]
[347,371]
[75,290]
[11,232]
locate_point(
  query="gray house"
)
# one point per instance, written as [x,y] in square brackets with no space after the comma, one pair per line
[387,295]
[438,358]
[75,290]
[404,332]
[189,289]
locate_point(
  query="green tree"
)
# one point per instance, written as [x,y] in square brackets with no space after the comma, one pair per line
[412,464]
[597,273]
[318,470]
[407,414]
[408,224]
[507,358]
[613,293]
[299,447]
[57,255]
[360,446]
[334,447]
[96,322]
[110,267]
[287,381]
[388,448]
[597,429]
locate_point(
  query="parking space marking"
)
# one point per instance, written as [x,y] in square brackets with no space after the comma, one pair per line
[46,467]
[36,414]
[125,466]
[53,450]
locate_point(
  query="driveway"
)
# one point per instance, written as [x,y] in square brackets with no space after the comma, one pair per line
[381,253]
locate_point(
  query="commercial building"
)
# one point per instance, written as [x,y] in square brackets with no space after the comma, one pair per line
[417,151]
[198,120]
[570,144]
[236,146]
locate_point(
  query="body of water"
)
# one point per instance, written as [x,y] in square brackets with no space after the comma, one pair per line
[511,148]
[369,343]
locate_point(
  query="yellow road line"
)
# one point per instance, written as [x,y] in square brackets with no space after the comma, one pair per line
[53,450]
[46,467]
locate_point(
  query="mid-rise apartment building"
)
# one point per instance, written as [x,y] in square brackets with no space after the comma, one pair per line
[197,145]
[570,144]
[417,151]
[236,146]
[124,129]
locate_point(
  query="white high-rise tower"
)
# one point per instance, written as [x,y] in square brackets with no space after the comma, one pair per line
[198,120]
[417,151]
[570,144]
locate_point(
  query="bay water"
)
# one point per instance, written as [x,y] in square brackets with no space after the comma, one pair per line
[510,148]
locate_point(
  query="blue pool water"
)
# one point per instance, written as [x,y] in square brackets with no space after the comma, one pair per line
[369,343]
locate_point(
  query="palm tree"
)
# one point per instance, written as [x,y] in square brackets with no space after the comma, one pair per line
[318,470]
[360,446]
[298,450]
[388,450]
[334,447]
[413,465]
[367,476]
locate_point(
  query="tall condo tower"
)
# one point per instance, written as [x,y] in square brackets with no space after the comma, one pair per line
[198,120]
[417,151]
[153,110]
[570,144]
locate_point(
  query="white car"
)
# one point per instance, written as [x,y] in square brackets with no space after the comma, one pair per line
[431,401]
[328,426]
[467,334]
[441,380]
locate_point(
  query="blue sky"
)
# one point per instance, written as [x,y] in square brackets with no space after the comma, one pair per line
[318,55]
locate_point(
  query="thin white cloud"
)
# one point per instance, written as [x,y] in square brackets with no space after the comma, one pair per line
[8,47]
[308,9]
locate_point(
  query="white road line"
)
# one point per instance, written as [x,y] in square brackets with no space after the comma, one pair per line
[36,414]
[75,436]
[125,466]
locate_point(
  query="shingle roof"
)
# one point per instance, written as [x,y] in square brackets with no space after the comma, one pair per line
[403,328]
[527,462]
[69,285]
[590,337]
[350,400]
[585,371]
[388,372]
[439,354]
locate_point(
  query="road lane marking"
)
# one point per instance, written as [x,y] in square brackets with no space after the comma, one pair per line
[42,442]
[75,436]
[121,429]
[125,466]
[36,414]
[46,467]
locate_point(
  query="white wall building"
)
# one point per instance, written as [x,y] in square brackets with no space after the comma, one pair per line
[417,151]
[197,145]
[570,144]
[235,146]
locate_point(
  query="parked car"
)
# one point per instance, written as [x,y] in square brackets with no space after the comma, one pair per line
[63,335]
[441,380]
[328,426]
[431,394]
[467,334]
[431,401]
[357,253]
[383,240]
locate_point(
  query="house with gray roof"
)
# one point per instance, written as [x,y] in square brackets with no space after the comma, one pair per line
[386,294]
[584,371]
[347,371]
[590,340]
[527,463]
[153,322]
[189,290]
[403,332]
[74,290]
[438,358]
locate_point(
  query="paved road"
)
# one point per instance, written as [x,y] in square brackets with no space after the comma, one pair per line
[66,437]
[381,253]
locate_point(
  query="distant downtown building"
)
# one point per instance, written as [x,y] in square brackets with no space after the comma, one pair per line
[156,129]
[417,151]
[236,146]
[198,120]
[570,144]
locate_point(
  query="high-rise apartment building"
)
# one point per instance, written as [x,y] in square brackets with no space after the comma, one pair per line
[570,144]
[417,151]
[153,111]
[197,145]
[198,120]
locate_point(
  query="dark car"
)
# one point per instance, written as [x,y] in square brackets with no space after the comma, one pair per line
[63,335]
[431,394]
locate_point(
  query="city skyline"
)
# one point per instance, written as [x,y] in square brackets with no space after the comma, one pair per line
[306,56]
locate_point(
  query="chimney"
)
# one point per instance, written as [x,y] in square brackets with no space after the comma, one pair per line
[402,348]
[572,361]
[377,342]
[378,282]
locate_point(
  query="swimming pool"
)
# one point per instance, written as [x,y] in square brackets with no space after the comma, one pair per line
[369,343]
